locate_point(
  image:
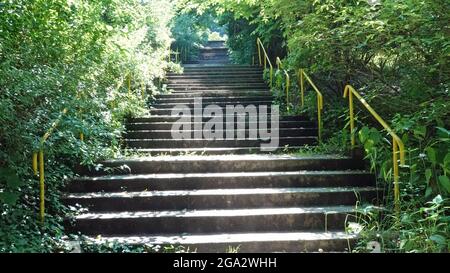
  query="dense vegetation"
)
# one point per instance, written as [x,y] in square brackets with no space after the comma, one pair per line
[80,55]
[396,54]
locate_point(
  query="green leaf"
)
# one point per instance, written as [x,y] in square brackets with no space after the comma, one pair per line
[447,161]
[431,152]
[428,191]
[437,200]
[444,181]
[420,132]
[375,135]
[363,134]
[438,239]
[442,132]
[428,174]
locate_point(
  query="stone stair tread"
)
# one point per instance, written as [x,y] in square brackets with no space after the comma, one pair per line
[218,192]
[202,139]
[227,237]
[216,175]
[252,157]
[204,150]
[151,122]
[193,116]
[215,213]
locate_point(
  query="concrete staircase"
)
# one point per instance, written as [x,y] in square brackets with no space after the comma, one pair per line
[216,85]
[230,194]
[214,53]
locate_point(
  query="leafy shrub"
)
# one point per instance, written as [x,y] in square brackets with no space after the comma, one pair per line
[77,55]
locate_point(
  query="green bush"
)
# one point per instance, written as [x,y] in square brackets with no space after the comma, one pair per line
[77,55]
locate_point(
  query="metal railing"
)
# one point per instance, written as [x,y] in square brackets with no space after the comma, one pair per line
[176,53]
[397,144]
[288,80]
[38,156]
[301,77]
[264,60]
[40,161]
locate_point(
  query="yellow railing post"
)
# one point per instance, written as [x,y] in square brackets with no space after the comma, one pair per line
[142,90]
[302,90]
[302,77]
[259,53]
[319,116]
[41,185]
[397,144]
[266,59]
[396,175]
[351,114]
[39,156]
[78,97]
[129,83]
[288,83]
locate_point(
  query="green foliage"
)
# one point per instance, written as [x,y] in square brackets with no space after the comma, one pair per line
[118,247]
[76,55]
[191,29]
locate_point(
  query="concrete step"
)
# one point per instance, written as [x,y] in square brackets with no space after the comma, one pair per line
[215,75]
[220,68]
[210,48]
[213,55]
[216,93]
[169,118]
[223,92]
[207,76]
[221,198]
[170,105]
[216,99]
[256,74]
[155,134]
[223,163]
[215,43]
[213,60]
[242,85]
[169,125]
[218,81]
[184,89]
[244,242]
[213,221]
[210,150]
[227,180]
[201,143]
[170,111]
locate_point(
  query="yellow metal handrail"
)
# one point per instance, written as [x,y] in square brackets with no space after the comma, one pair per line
[397,144]
[288,80]
[38,156]
[266,60]
[41,164]
[176,53]
[301,77]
